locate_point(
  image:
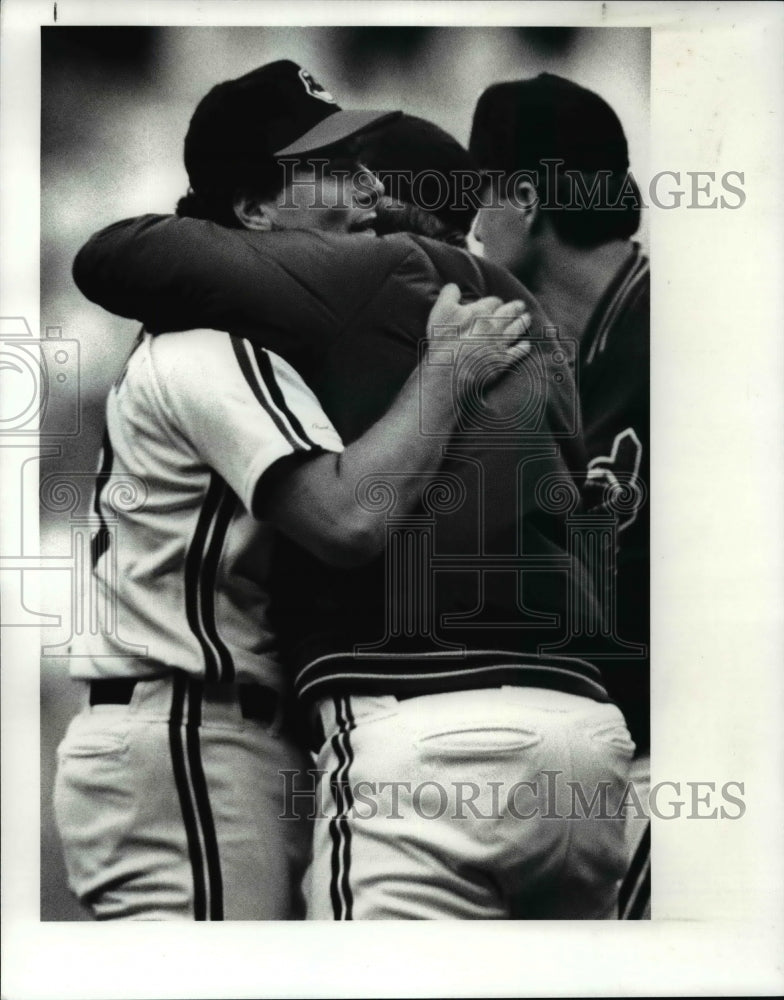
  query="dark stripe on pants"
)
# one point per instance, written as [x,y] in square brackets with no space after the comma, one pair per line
[347,894]
[339,831]
[636,887]
[179,684]
[201,795]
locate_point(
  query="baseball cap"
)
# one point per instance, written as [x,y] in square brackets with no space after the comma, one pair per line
[276,110]
[420,164]
[519,123]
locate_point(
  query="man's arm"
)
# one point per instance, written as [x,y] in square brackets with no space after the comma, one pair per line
[315,499]
[173,273]
[249,417]
[164,271]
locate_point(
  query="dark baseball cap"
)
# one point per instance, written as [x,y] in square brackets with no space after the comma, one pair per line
[421,164]
[276,110]
[522,122]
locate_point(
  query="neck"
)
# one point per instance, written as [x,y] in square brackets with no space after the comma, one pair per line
[569,281]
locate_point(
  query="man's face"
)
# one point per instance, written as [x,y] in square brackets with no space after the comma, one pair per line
[500,228]
[495,229]
[335,196]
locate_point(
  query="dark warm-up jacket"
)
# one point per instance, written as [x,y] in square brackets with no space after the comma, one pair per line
[614,379]
[486,583]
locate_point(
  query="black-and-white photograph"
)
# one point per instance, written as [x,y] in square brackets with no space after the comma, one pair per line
[331,475]
[362,576]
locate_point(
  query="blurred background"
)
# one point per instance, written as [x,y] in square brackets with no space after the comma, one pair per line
[115,106]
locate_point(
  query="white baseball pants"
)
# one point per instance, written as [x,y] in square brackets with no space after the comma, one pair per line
[473,804]
[170,808]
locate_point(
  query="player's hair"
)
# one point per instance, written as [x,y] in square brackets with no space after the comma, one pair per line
[216,204]
[403,217]
[616,215]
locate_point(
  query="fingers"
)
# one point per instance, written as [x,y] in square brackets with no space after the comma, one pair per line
[445,309]
[497,325]
[448,297]
[513,331]
[507,324]
[482,307]
[518,350]
[492,314]
[489,317]
[511,309]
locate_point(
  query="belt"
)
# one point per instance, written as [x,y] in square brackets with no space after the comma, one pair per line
[257,702]
[316,734]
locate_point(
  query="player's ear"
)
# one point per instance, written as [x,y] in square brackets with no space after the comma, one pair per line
[525,199]
[252,213]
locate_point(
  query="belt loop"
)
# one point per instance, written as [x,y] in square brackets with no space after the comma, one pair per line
[112,691]
[262,703]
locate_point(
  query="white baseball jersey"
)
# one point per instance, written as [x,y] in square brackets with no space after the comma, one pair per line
[198,417]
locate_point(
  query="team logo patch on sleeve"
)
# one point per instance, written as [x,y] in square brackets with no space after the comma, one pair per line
[314,88]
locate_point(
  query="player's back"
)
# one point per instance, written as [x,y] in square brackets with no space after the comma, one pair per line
[179,562]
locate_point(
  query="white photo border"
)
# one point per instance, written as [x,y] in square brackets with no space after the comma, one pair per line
[718,579]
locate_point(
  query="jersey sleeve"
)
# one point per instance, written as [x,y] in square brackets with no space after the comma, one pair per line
[240,407]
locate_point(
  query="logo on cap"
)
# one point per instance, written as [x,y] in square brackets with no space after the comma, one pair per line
[315,89]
